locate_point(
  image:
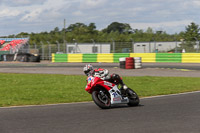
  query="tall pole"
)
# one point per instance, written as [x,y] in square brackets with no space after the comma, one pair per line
[64,28]
[64,38]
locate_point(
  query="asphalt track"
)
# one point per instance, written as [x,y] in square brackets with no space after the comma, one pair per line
[149,69]
[167,114]
[189,66]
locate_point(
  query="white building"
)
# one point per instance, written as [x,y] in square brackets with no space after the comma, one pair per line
[88,48]
[151,47]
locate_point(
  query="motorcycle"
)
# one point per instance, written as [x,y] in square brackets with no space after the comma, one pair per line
[105,93]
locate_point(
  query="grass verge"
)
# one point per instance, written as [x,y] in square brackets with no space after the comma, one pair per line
[37,89]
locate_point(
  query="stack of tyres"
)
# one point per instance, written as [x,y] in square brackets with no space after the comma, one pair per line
[130,63]
[122,62]
[138,62]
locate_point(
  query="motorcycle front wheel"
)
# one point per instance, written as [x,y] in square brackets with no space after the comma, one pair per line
[101,98]
[133,98]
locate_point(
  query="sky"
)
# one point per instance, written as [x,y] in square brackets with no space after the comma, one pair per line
[37,16]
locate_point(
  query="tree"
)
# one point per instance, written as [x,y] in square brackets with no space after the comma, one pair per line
[149,30]
[72,27]
[190,36]
[116,31]
[116,26]
[92,26]
[192,32]
[22,34]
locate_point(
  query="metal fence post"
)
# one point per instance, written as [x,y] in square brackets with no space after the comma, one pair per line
[176,48]
[42,50]
[49,50]
[133,45]
[58,46]
[66,49]
[197,43]
[100,47]
[35,45]
[150,47]
[113,45]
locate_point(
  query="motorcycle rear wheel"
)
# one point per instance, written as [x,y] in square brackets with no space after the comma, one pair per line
[133,98]
[101,99]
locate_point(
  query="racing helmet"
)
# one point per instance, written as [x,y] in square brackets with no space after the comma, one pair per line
[87,69]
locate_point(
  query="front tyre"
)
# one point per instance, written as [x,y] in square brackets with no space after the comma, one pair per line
[101,98]
[133,98]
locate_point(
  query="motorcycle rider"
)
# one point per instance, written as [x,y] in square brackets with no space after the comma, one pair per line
[103,74]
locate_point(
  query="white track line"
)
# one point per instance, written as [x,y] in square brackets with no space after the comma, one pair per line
[184,93]
[26,106]
[45,105]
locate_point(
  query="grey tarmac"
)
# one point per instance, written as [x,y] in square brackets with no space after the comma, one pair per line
[149,69]
[166,114]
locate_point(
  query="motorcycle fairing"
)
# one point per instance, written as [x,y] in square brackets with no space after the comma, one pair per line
[116,97]
[96,81]
[113,90]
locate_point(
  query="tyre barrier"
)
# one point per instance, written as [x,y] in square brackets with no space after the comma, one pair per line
[22,57]
[130,62]
[122,62]
[138,62]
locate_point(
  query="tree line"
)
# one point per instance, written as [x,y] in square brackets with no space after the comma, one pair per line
[119,32]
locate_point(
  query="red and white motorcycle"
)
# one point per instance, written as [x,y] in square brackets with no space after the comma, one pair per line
[105,93]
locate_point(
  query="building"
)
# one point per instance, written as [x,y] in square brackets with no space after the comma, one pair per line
[88,48]
[151,47]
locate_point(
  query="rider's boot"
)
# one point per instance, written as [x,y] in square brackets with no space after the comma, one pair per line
[124,89]
[122,84]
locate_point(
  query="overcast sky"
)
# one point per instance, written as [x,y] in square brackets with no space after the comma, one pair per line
[44,15]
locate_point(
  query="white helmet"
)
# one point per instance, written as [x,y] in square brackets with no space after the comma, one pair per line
[87,69]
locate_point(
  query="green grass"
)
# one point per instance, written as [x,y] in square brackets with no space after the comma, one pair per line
[37,89]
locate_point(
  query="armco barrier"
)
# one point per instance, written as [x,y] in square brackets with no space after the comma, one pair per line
[190,58]
[146,57]
[89,57]
[168,57]
[75,57]
[105,58]
[59,57]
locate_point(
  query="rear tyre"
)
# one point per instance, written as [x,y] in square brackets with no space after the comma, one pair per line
[133,98]
[101,98]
